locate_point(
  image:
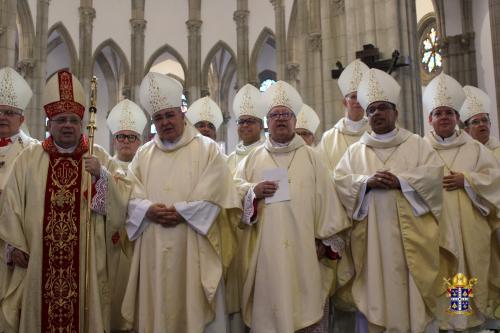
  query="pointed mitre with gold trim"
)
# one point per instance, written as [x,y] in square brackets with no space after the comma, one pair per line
[126,116]
[63,93]
[159,92]
[443,90]
[15,93]
[476,102]
[205,109]
[378,86]
[248,102]
[351,77]
[282,94]
[308,119]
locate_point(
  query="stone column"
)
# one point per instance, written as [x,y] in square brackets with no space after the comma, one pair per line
[138,25]
[495,39]
[193,85]
[459,58]
[240,16]
[280,31]
[459,51]
[34,113]
[315,50]
[8,31]
[335,49]
[87,15]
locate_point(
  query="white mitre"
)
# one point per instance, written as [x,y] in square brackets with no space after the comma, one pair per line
[205,109]
[282,94]
[351,77]
[476,102]
[159,92]
[126,116]
[248,102]
[308,119]
[15,93]
[378,86]
[443,90]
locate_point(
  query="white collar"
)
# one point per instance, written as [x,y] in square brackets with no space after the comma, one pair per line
[354,126]
[386,136]
[278,144]
[448,140]
[65,150]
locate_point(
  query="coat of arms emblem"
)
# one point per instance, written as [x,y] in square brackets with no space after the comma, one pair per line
[460,293]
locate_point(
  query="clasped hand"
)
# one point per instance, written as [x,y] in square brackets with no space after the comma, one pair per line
[166,216]
[383,180]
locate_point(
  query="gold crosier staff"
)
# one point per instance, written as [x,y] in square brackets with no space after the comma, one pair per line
[91,127]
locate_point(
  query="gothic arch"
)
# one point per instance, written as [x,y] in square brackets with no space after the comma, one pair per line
[64,37]
[264,35]
[125,71]
[173,52]
[26,30]
[292,34]
[220,45]
[113,64]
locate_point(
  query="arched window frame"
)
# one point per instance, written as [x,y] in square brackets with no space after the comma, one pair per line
[425,25]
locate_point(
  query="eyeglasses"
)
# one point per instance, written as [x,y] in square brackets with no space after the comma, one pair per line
[248,121]
[477,122]
[64,120]
[129,137]
[10,113]
[277,115]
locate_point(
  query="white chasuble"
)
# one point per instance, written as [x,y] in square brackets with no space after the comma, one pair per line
[392,273]
[284,285]
[176,271]
[465,230]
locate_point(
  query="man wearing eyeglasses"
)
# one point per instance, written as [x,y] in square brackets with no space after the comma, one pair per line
[43,221]
[249,112]
[475,115]
[14,99]
[387,183]
[471,195]
[126,122]
[183,242]
[290,221]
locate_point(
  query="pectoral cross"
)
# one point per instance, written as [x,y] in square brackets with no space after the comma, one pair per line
[167,188]
[287,244]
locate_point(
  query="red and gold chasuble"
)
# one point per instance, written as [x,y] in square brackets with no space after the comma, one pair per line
[61,239]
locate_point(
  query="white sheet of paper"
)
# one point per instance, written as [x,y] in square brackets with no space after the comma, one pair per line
[279,175]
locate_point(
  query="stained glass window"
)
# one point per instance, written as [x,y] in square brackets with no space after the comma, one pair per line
[266,84]
[431,53]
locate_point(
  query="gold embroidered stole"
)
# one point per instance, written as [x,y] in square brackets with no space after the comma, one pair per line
[61,240]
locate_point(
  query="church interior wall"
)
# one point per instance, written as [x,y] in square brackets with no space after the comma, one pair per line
[261,15]
[266,59]
[344,26]
[32,5]
[66,12]
[59,57]
[114,25]
[484,58]
[102,136]
[453,17]
[166,23]
[218,24]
